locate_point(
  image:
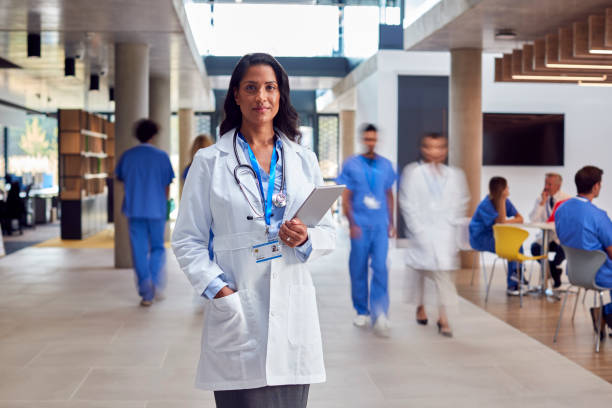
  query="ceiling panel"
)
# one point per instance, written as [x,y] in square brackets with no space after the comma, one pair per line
[456,24]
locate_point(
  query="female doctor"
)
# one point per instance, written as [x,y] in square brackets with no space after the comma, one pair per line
[261,342]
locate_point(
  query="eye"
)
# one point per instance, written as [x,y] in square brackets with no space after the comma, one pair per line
[249,87]
[271,87]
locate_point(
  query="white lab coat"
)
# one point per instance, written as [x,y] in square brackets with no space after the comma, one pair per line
[431,211]
[267,333]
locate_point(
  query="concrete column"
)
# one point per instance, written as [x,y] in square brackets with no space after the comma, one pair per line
[465,122]
[160,113]
[347,134]
[131,104]
[159,110]
[186,135]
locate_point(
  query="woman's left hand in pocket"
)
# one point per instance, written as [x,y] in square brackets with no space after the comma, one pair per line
[293,233]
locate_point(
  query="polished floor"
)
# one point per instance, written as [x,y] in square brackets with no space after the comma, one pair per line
[72,336]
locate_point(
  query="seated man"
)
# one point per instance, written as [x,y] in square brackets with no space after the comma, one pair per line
[495,208]
[542,211]
[582,225]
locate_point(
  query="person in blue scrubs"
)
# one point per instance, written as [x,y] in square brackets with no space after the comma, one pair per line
[495,208]
[146,173]
[368,205]
[580,224]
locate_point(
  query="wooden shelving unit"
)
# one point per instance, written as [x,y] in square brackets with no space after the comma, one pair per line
[86,147]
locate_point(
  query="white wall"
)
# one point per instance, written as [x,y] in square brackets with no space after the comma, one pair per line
[588,119]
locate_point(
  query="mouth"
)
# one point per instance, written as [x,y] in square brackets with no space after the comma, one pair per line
[260,109]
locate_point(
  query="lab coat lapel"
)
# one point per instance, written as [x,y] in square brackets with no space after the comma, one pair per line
[247,179]
[293,179]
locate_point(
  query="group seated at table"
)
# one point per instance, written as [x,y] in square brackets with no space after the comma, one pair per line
[496,208]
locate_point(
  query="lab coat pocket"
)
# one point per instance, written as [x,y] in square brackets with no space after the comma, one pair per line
[227,324]
[303,316]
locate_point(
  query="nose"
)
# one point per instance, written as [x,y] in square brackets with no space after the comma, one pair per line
[261,94]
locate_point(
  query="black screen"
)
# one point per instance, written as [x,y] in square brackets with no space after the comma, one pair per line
[522,139]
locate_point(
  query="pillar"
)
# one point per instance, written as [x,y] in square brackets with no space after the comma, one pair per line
[465,122]
[131,104]
[347,134]
[159,110]
[186,135]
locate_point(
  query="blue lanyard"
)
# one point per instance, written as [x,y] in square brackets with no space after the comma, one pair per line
[370,172]
[268,200]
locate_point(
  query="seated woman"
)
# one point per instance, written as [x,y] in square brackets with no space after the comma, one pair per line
[495,208]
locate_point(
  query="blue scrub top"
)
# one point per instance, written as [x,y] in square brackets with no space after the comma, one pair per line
[481,225]
[145,172]
[580,224]
[368,177]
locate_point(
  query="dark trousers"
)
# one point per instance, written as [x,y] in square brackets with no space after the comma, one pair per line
[555,272]
[280,396]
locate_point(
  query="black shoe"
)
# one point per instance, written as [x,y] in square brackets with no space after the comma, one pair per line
[445,333]
[422,322]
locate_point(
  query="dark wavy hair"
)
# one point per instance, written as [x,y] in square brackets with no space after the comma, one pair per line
[286,120]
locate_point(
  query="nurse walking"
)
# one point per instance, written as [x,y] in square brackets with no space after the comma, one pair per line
[261,342]
[146,174]
[368,204]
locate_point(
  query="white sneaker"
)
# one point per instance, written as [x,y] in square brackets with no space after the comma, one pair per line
[382,327]
[361,320]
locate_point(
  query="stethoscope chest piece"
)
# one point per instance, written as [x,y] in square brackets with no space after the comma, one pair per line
[279,199]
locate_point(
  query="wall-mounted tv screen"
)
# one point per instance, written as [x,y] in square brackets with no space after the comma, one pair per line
[511,139]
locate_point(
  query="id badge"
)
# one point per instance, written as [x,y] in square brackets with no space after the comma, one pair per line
[267,251]
[371,202]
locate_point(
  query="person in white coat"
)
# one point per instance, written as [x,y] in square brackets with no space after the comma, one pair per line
[261,341]
[432,198]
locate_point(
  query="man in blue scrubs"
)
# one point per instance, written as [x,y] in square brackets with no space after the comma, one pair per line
[580,224]
[495,208]
[368,205]
[146,173]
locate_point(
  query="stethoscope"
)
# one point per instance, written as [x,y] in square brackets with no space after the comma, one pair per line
[278,199]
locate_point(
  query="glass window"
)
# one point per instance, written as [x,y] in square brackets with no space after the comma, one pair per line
[278,29]
[361,31]
[328,145]
[32,151]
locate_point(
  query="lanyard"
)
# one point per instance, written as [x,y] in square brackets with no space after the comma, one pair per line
[268,198]
[370,173]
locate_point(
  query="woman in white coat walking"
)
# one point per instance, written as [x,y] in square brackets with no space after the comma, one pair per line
[432,199]
[261,342]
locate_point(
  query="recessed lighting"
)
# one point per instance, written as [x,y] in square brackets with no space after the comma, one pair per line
[574,78]
[505,34]
[578,66]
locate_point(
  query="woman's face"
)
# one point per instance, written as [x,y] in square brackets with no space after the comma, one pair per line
[258,95]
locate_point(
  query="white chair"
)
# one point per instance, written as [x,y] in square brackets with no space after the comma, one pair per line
[582,266]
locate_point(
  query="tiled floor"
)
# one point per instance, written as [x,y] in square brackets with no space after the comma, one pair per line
[72,336]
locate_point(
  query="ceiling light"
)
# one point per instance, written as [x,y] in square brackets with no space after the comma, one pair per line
[574,78]
[605,52]
[578,66]
[505,34]
[94,82]
[34,45]
[605,84]
[69,67]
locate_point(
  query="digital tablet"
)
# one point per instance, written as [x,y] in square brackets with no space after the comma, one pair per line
[317,203]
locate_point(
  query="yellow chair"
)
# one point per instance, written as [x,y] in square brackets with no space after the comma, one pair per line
[508,242]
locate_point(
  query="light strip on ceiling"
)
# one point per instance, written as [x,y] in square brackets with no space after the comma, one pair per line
[560,78]
[605,52]
[606,84]
[579,66]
